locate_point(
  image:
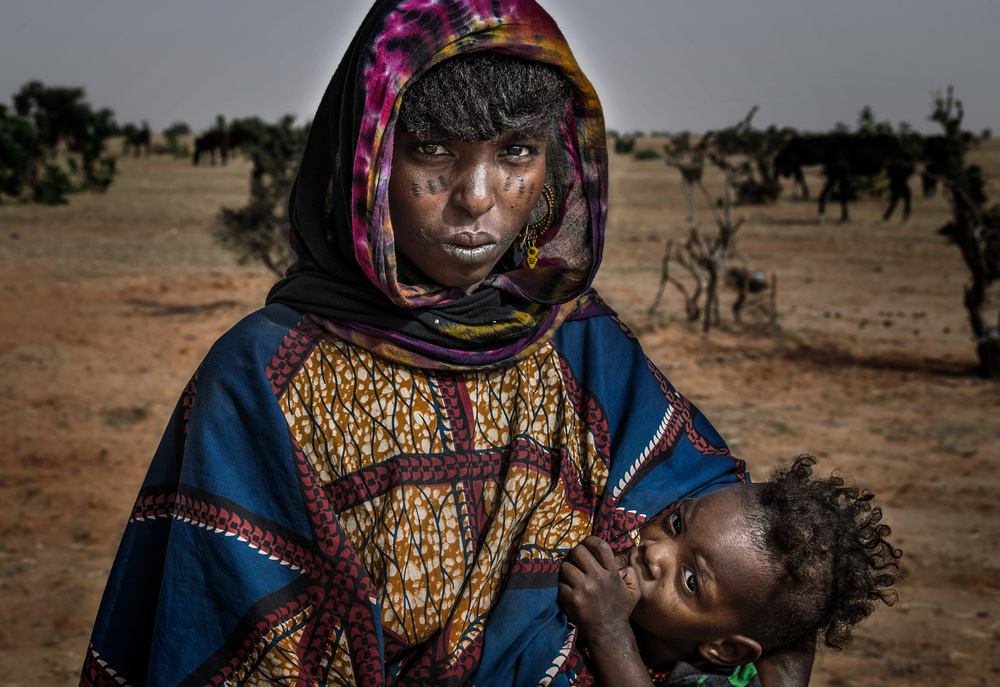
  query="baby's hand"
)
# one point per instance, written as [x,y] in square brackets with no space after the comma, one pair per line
[592,590]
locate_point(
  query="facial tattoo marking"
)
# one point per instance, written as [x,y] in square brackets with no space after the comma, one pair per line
[443,182]
[520,187]
[432,187]
[506,184]
[415,189]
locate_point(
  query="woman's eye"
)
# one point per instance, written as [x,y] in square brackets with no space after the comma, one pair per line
[691,582]
[518,152]
[431,149]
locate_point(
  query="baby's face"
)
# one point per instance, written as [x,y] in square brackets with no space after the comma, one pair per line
[693,573]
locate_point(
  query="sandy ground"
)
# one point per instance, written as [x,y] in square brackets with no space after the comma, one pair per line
[110,302]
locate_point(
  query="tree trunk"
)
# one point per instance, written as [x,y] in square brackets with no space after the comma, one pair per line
[988,349]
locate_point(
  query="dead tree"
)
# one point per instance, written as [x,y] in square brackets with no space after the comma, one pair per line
[975,229]
[705,259]
[689,160]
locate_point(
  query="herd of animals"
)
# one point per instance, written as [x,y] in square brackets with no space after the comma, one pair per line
[846,155]
[210,143]
[221,141]
[841,156]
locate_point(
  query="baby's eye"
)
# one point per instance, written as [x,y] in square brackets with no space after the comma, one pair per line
[691,582]
[675,522]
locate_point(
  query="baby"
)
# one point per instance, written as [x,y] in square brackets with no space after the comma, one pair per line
[730,575]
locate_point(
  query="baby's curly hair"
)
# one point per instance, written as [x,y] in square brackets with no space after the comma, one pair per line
[475,96]
[831,556]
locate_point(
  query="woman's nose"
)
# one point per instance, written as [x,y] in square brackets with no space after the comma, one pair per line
[475,191]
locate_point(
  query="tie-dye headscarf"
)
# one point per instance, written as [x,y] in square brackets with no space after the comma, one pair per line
[346,270]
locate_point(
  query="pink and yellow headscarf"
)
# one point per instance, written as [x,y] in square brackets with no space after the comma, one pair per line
[341,229]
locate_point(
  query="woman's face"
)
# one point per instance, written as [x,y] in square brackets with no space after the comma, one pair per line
[457,206]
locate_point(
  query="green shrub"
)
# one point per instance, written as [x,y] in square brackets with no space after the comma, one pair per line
[56,116]
[19,148]
[259,230]
[98,169]
[172,135]
[625,145]
[52,186]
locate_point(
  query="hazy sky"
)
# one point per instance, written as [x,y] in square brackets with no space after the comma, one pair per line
[657,64]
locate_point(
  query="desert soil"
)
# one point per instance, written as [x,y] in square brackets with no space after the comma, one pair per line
[110,302]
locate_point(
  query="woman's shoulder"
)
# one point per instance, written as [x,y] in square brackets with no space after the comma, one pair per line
[253,343]
[605,356]
[593,321]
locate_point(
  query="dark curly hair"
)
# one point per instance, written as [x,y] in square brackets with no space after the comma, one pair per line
[830,553]
[475,96]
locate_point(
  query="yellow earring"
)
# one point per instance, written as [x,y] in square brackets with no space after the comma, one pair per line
[524,245]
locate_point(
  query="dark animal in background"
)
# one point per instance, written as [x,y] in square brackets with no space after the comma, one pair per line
[137,139]
[239,138]
[933,154]
[845,155]
[800,152]
[209,143]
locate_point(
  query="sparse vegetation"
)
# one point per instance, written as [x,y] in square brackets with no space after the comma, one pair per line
[172,135]
[20,150]
[974,229]
[708,260]
[753,152]
[136,139]
[51,127]
[624,145]
[259,230]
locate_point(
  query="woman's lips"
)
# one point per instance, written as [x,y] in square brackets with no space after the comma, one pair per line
[470,255]
[471,249]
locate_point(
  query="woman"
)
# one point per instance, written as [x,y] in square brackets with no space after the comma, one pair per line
[373,478]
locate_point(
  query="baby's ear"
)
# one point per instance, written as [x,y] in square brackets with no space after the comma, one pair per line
[734,650]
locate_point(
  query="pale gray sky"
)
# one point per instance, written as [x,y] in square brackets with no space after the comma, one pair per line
[657,64]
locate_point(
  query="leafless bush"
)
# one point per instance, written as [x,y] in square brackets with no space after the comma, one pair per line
[975,229]
[708,260]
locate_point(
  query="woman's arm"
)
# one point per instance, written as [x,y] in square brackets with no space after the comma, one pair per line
[597,600]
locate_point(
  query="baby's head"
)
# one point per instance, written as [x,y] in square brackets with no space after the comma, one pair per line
[751,568]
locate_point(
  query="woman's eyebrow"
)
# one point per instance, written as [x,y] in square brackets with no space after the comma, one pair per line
[512,136]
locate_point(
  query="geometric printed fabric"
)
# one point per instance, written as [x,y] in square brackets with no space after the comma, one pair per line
[317,515]
[439,479]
